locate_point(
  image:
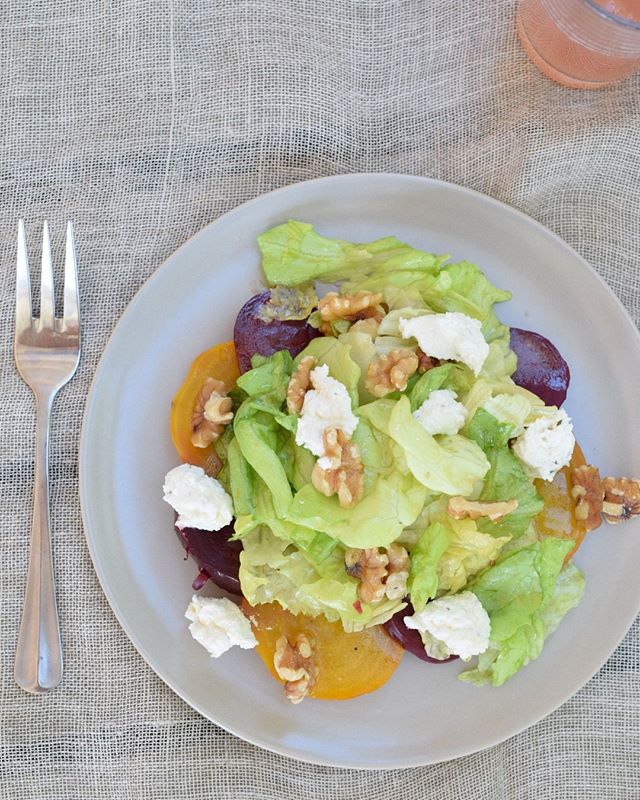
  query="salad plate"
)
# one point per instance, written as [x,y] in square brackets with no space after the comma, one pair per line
[423,714]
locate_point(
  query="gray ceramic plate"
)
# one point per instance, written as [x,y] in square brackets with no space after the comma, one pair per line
[424,714]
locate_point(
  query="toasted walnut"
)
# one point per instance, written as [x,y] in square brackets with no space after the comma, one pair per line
[390,373]
[370,567]
[354,308]
[340,471]
[358,306]
[211,413]
[299,383]
[217,409]
[380,574]
[459,508]
[588,492]
[425,362]
[395,586]
[621,499]
[294,664]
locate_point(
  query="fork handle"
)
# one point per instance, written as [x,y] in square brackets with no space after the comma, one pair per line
[38,665]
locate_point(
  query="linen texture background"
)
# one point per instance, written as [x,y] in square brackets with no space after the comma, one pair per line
[143,121]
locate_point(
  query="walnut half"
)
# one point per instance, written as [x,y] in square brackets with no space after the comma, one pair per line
[370,567]
[294,664]
[380,574]
[425,362]
[395,586]
[621,499]
[588,492]
[344,474]
[212,411]
[459,508]
[299,383]
[357,306]
[390,372]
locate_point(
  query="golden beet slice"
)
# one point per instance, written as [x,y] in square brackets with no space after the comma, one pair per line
[219,362]
[558,517]
[349,664]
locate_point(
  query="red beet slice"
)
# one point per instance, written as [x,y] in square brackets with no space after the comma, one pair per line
[541,368]
[252,334]
[409,638]
[217,558]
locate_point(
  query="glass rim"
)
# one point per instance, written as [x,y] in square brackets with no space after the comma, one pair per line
[609,15]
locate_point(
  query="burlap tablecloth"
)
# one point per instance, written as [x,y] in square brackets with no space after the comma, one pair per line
[143,121]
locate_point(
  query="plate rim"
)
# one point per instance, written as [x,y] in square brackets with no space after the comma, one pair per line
[89,535]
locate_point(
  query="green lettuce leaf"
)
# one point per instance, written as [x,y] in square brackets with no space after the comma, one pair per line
[450,464]
[362,351]
[262,430]
[271,570]
[509,409]
[270,379]
[567,594]
[295,253]
[377,453]
[456,377]
[465,288]
[242,480]
[316,545]
[425,556]
[501,361]
[525,595]
[506,478]
[468,552]
[336,355]
[375,521]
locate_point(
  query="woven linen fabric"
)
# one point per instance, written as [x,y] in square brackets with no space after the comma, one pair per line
[145,120]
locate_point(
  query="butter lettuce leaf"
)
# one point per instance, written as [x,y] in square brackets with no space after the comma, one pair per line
[468,552]
[456,377]
[375,521]
[525,594]
[449,464]
[337,356]
[262,431]
[447,556]
[506,478]
[465,288]
[271,570]
[295,253]
[425,557]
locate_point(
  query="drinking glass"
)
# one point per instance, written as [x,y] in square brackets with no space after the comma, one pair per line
[584,44]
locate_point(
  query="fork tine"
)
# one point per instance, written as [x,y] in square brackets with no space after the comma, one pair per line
[23,284]
[71,318]
[47,301]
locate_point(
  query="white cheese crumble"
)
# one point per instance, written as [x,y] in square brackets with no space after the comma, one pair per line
[327,405]
[218,624]
[454,625]
[441,413]
[546,445]
[451,336]
[201,501]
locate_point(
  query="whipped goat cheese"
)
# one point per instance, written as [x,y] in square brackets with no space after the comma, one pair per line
[441,413]
[218,624]
[451,336]
[453,625]
[200,500]
[546,445]
[327,405]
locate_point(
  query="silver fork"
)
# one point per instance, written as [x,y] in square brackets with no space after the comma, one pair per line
[47,351]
